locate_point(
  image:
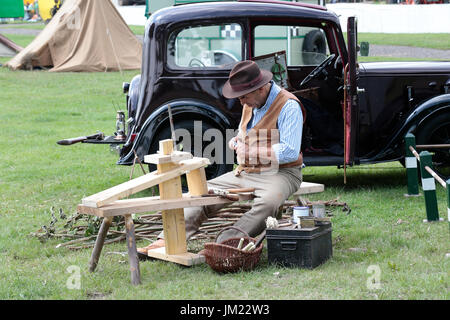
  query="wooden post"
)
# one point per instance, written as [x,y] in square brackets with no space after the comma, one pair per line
[411,166]
[132,251]
[447,183]
[173,220]
[428,187]
[99,243]
[196,180]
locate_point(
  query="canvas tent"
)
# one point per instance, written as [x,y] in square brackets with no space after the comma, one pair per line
[84,35]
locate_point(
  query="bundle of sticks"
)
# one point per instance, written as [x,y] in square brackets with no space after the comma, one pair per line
[80,231]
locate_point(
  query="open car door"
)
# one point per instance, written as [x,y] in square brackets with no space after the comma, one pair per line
[351,94]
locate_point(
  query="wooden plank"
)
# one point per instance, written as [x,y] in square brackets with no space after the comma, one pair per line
[147,204]
[173,220]
[186,259]
[175,157]
[196,180]
[143,182]
[309,187]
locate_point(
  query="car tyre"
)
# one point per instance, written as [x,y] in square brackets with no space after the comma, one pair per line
[437,131]
[314,42]
[214,169]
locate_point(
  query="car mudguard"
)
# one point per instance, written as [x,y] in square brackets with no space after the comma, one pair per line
[160,117]
[421,114]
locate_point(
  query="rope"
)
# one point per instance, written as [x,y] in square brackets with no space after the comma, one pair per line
[432,146]
[439,179]
[414,152]
[434,174]
[112,43]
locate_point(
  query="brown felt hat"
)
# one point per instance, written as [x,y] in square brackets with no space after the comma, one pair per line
[244,78]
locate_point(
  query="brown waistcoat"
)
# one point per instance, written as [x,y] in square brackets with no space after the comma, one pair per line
[265,133]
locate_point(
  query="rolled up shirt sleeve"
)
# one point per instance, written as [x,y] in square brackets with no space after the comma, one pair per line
[290,126]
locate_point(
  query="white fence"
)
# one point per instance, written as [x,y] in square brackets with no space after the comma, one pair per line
[395,18]
[391,18]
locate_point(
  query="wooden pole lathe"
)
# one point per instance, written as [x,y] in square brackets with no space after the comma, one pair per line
[174,226]
[173,220]
[106,223]
[132,251]
[448,202]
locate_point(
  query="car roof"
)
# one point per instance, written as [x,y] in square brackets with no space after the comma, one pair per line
[242,9]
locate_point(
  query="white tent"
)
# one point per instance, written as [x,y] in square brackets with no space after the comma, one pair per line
[84,35]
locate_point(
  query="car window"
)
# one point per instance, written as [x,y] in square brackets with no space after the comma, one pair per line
[303,45]
[212,46]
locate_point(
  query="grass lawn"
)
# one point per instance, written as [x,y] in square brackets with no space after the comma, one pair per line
[423,40]
[138,30]
[22,40]
[384,229]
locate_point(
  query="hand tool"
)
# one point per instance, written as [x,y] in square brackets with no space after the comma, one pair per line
[233,194]
[67,142]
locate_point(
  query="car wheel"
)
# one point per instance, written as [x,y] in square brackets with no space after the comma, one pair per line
[437,131]
[314,42]
[214,169]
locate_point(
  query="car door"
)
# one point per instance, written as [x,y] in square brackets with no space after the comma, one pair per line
[351,94]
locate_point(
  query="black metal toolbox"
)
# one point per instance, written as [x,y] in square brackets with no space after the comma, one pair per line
[304,248]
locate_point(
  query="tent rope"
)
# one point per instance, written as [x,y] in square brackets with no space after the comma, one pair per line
[112,44]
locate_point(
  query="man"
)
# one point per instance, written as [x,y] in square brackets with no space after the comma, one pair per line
[267,148]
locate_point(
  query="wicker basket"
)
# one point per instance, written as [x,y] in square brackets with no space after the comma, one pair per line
[226,257]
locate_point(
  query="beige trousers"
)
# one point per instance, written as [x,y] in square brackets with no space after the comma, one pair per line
[272,190]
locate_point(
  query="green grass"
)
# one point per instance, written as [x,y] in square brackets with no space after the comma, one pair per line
[22,40]
[138,30]
[24,25]
[423,40]
[384,59]
[38,108]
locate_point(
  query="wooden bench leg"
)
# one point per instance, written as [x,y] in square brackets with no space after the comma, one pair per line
[99,243]
[132,251]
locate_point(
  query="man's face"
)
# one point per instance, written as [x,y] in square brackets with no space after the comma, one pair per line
[254,99]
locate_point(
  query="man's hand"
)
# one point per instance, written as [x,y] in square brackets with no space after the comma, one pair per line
[232,144]
[241,151]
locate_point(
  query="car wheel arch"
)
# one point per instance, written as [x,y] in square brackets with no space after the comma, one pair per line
[182,109]
[422,113]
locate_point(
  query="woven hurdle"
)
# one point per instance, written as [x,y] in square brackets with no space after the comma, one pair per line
[428,177]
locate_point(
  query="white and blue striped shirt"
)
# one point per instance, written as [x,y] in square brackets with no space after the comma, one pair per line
[290,126]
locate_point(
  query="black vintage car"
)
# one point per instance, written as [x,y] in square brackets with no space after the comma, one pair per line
[356,112]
